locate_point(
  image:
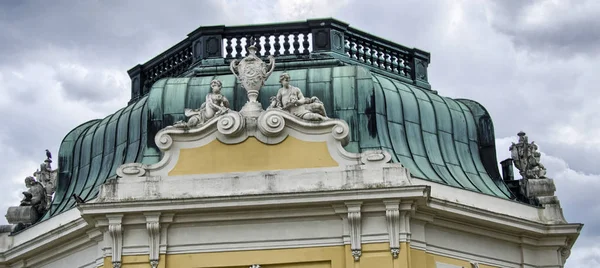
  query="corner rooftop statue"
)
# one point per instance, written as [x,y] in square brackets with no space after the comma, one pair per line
[336,150]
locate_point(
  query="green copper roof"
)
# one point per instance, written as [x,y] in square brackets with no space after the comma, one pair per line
[437,138]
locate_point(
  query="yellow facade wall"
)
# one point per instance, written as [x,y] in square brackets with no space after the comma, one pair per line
[252,155]
[375,255]
[422,259]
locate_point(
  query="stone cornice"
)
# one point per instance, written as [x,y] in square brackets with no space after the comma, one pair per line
[444,213]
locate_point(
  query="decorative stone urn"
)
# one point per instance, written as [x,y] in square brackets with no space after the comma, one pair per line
[252,72]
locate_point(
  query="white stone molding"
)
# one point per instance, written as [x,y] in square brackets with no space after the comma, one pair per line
[116,234]
[20,264]
[445,265]
[271,127]
[407,208]
[153,227]
[97,236]
[165,221]
[355,224]
[254,266]
[392,216]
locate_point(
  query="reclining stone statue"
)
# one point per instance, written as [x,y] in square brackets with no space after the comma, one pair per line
[214,105]
[291,99]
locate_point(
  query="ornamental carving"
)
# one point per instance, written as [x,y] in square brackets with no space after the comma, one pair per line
[355,223]
[526,158]
[47,178]
[291,99]
[38,197]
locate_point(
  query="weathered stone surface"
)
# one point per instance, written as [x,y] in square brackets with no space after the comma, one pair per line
[291,99]
[215,104]
[541,187]
[7,228]
[22,214]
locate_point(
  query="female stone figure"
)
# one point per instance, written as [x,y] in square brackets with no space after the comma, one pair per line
[214,105]
[291,99]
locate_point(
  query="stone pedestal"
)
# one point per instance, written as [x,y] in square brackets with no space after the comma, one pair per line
[21,214]
[251,109]
[7,228]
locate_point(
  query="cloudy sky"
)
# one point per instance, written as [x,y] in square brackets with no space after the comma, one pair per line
[533,64]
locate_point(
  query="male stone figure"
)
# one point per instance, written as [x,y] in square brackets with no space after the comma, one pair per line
[35,196]
[291,99]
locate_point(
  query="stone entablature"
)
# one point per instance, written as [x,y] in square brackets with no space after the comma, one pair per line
[368,208]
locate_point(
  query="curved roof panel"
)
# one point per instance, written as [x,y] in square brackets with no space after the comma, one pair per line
[437,138]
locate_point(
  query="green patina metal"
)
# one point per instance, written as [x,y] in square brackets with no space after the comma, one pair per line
[437,138]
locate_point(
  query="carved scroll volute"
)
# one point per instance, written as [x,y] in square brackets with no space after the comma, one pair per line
[355,223]
[392,215]
[115,231]
[153,228]
[252,72]
[272,68]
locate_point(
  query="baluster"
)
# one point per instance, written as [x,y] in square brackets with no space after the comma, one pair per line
[368,51]
[228,48]
[361,51]
[267,44]
[305,43]
[259,48]
[286,44]
[374,57]
[246,39]
[405,66]
[395,64]
[277,46]
[248,42]
[347,47]
[382,62]
[353,50]
[388,60]
[408,68]
[238,47]
[400,64]
[296,44]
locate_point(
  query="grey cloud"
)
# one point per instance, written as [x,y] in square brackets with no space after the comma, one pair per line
[82,84]
[129,30]
[570,27]
[579,158]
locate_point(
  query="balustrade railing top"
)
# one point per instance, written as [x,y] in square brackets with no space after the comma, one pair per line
[290,41]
